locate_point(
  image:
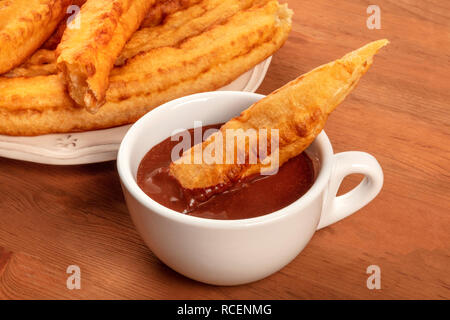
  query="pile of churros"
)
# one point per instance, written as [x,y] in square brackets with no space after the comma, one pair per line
[117,59]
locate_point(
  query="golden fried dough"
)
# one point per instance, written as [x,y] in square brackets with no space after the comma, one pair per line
[162,8]
[52,42]
[157,13]
[298,111]
[175,28]
[24,26]
[40,105]
[32,71]
[241,33]
[87,55]
[184,24]
[41,63]
[40,57]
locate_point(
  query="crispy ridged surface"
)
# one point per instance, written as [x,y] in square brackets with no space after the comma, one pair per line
[24,26]
[162,8]
[157,13]
[184,24]
[41,57]
[175,28]
[32,71]
[298,111]
[41,63]
[52,42]
[196,55]
[86,56]
[149,79]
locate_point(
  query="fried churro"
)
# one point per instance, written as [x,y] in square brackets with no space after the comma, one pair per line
[157,13]
[41,63]
[168,33]
[24,26]
[52,42]
[163,8]
[198,64]
[176,28]
[87,55]
[298,111]
[182,25]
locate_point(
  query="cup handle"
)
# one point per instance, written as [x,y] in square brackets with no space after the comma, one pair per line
[345,163]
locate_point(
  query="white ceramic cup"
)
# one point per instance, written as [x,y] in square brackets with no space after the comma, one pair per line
[232,252]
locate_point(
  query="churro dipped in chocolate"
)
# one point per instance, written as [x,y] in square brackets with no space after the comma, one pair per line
[298,111]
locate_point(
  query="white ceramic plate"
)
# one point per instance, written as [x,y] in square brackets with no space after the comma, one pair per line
[98,145]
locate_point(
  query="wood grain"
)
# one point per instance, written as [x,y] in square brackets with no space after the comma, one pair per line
[52,217]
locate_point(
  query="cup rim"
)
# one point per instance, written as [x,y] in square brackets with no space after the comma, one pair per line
[129,182]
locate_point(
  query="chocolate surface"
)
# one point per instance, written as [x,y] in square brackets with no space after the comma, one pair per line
[252,197]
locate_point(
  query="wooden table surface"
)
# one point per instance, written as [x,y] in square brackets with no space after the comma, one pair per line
[52,217]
